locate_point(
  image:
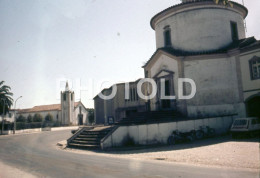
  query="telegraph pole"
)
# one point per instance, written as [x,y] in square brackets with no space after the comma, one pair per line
[3,123]
[15,114]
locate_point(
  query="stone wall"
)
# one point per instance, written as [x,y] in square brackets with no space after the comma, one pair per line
[158,133]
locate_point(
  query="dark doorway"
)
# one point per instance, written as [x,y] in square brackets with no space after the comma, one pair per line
[80,116]
[166,103]
[253,107]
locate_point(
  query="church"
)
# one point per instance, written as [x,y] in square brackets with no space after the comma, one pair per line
[68,112]
[204,41]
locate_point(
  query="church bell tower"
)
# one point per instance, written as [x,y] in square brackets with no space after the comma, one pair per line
[67,106]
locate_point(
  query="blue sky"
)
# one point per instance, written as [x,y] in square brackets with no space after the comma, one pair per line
[45,41]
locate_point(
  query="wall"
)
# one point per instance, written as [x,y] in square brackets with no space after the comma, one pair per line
[165,62]
[250,87]
[84,112]
[217,87]
[196,30]
[158,133]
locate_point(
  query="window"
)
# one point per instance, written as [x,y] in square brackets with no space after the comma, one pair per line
[71,97]
[254,65]
[234,32]
[167,36]
[64,96]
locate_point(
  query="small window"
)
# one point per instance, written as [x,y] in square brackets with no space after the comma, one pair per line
[254,65]
[71,97]
[167,36]
[234,31]
[64,96]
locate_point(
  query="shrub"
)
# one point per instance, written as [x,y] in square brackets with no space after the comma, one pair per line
[49,118]
[91,118]
[21,118]
[29,118]
[37,118]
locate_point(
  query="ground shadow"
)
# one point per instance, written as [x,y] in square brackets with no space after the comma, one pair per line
[181,146]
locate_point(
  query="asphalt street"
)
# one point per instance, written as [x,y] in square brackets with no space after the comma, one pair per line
[37,154]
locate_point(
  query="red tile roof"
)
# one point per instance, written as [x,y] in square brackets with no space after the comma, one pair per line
[51,107]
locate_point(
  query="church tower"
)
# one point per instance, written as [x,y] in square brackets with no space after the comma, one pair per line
[199,26]
[67,106]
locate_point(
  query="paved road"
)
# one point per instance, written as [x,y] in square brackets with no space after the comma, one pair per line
[38,155]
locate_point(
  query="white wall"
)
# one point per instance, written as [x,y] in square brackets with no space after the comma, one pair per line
[217,87]
[158,133]
[200,29]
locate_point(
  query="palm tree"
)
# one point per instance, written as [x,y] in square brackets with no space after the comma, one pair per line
[5,97]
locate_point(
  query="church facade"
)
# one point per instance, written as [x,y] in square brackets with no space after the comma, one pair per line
[205,42]
[68,112]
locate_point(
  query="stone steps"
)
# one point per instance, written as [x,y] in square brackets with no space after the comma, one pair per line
[89,139]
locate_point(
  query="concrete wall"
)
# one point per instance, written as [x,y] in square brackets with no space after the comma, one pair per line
[250,87]
[217,87]
[200,28]
[158,133]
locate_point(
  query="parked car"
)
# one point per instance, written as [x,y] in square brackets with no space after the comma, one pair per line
[249,126]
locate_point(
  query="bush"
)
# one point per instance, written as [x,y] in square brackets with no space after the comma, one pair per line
[37,118]
[29,118]
[32,125]
[21,118]
[91,118]
[49,118]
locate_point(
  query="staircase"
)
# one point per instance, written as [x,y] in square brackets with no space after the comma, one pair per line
[88,139]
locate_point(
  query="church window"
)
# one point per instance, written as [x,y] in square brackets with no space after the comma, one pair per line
[234,31]
[71,97]
[64,97]
[167,36]
[254,65]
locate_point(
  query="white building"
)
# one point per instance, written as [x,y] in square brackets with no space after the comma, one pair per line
[68,112]
[206,42]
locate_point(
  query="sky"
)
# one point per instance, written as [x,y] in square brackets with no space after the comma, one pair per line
[89,43]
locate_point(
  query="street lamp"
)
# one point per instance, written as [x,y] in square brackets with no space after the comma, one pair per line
[15,114]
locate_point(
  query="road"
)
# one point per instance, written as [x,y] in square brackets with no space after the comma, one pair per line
[38,155]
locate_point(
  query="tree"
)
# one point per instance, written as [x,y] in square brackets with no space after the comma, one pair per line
[21,118]
[6,101]
[91,117]
[49,118]
[30,118]
[37,118]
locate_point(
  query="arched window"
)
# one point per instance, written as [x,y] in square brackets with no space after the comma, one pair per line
[167,37]
[254,65]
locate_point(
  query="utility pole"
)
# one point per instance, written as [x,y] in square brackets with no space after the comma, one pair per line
[15,114]
[3,123]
